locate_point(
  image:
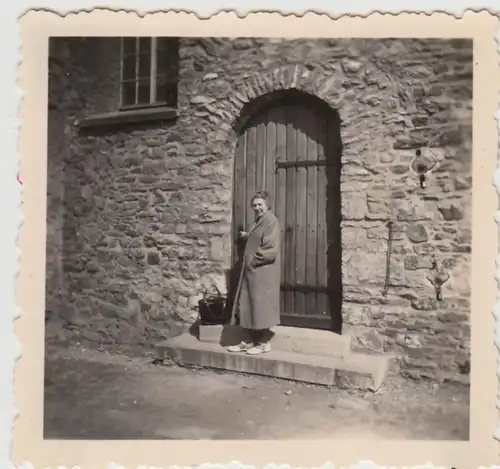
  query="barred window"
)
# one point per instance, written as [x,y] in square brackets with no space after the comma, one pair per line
[149,71]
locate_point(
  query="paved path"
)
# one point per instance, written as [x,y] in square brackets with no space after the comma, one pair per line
[94,395]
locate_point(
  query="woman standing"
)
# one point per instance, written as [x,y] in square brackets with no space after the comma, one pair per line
[257,301]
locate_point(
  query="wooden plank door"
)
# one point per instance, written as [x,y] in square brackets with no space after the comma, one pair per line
[291,150]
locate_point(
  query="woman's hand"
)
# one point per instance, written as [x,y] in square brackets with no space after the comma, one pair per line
[243,234]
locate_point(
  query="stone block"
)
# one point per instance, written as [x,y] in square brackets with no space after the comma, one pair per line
[355,370]
[451,212]
[353,206]
[417,233]
[414,262]
[219,333]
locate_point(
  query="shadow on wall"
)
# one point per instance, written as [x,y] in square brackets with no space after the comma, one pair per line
[334,219]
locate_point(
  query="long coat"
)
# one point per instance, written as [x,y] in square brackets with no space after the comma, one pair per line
[257,298]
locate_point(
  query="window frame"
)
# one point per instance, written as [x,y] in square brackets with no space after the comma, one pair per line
[153,103]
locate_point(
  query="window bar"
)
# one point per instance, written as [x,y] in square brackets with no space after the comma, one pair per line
[154,64]
[136,99]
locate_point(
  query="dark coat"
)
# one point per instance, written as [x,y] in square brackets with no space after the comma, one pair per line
[257,298]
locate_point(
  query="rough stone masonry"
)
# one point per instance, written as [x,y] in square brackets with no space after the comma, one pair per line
[139,216]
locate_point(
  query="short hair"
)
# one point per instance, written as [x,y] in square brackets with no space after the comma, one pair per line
[264,195]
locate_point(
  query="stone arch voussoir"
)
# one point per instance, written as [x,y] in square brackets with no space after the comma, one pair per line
[281,78]
[327,87]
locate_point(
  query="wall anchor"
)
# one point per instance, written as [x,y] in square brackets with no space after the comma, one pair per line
[438,278]
[423,166]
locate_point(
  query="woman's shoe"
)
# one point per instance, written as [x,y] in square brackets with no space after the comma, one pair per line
[241,347]
[259,348]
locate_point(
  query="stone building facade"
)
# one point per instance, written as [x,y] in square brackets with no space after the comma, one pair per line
[140,203]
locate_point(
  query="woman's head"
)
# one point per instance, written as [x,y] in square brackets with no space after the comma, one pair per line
[260,203]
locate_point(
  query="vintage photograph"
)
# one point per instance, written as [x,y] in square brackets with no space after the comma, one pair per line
[258,238]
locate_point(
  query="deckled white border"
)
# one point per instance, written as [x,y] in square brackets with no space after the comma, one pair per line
[496,180]
[10,203]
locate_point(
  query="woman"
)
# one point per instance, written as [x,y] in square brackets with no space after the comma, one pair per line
[257,300]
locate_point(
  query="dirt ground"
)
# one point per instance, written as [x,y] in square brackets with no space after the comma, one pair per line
[92,394]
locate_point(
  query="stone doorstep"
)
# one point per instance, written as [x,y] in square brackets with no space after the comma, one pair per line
[355,371]
[286,339]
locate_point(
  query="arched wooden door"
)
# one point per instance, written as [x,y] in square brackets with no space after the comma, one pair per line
[291,148]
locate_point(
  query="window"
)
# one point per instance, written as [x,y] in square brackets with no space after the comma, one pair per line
[149,71]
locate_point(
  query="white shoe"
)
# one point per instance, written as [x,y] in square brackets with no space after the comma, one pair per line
[259,348]
[241,347]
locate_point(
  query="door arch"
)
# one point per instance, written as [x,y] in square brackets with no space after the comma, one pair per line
[291,147]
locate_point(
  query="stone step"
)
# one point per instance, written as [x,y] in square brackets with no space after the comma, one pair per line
[355,370]
[286,339]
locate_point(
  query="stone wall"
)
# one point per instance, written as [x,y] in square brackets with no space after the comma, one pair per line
[147,208]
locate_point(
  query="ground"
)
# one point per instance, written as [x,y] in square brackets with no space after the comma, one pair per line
[95,394]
